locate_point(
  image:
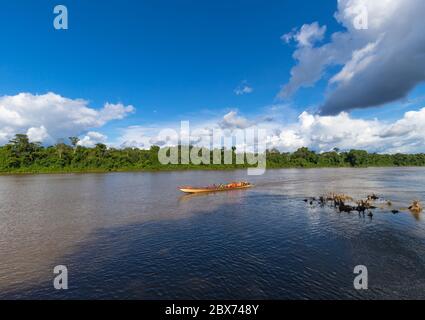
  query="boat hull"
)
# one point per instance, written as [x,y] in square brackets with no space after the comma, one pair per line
[205,190]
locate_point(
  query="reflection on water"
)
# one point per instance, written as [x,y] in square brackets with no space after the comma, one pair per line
[134,235]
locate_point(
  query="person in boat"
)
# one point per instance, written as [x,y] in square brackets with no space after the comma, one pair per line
[229,186]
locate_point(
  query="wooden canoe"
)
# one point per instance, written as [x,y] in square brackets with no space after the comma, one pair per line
[205,190]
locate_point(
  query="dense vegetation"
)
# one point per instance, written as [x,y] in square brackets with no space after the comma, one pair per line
[21,155]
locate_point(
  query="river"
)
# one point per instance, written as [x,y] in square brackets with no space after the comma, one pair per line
[135,236]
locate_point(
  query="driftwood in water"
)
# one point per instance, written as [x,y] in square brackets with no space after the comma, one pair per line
[346,203]
[416,207]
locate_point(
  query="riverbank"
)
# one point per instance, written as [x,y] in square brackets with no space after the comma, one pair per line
[23,156]
[175,168]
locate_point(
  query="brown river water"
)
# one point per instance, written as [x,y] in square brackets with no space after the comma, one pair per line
[134,235]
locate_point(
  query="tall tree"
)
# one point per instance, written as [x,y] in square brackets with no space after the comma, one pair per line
[74,142]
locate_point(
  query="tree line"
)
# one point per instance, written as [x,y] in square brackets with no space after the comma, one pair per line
[22,155]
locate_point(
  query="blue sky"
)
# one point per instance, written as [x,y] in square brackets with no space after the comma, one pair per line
[168,56]
[171,60]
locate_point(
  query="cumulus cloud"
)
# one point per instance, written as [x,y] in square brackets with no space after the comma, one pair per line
[38,134]
[162,136]
[323,133]
[317,132]
[233,121]
[135,137]
[49,117]
[307,35]
[92,138]
[380,64]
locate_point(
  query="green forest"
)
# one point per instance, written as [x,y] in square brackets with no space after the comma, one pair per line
[22,156]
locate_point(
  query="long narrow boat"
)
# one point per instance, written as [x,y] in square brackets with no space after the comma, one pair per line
[229,187]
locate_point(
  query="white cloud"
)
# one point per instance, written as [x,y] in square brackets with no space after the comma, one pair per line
[380,64]
[171,135]
[114,112]
[323,133]
[320,133]
[307,35]
[92,138]
[232,121]
[243,89]
[48,117]
[137,137]
[37,134]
